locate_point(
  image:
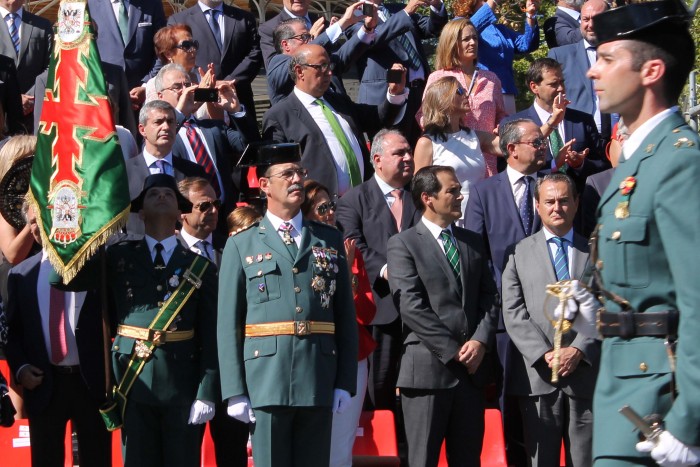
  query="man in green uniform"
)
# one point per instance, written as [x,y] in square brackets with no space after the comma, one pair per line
[648,240]
[287,332]
[164,353]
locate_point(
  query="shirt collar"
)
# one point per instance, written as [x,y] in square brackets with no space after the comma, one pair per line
[543,114]
[306,17]
[587,45]
[571,12]
[296,221]
[305,98]
[435,230]
[514,176]
[549,235]
[191,240]
[169,243]
[384,186]
[636,138]
[205,8]
[4,12]
[150,158]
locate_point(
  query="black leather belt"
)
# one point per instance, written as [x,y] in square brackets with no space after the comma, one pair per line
[628,324]
[66,370]
[416,83]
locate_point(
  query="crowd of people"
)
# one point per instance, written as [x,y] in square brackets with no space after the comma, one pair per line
[409,250]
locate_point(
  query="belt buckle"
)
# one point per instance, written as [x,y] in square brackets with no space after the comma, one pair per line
[157,337]
[302,328]
[192,279]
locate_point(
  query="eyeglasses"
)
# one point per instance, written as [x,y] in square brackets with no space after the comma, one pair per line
[461,91]
[322,67]
[289,174]
[178,87]
[323,208]
[188,46]
[535,143]
[303,37]
[205,206]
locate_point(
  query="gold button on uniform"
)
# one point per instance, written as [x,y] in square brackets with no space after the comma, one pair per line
[295,270]
[297,289]
[116,347]
[259,273]
[299,309]
[615,235]
[643,367]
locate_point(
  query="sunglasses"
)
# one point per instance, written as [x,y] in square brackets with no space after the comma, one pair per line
[188,46]
[323,208]
[535,143]
[461,91]
[205,206]
[289,174]
[304,37]
[322,67]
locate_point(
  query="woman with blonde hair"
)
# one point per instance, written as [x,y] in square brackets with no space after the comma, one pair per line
[446,141]
[456,56]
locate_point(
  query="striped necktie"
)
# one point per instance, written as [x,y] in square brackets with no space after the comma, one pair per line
[201,156]
[561,263]
[451,251]
[413,58]
[14,31]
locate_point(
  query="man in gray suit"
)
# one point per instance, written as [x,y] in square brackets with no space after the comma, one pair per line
[550,410]
[442,286]
[28,40]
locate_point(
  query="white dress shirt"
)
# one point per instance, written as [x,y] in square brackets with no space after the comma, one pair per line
[569,248]
[296,222]
[635,139]
[169,245]
[153,168]
[436,230]
[517,186]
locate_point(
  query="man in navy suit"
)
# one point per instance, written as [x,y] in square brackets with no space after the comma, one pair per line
[222,145]
[292,9]
[365,213]
[32,52]
[498,209]
[235,53]
[57,355]
[585,155]
[403,45]
[563,28]
[157,125]
[575,60]
[338,159]
[133,50]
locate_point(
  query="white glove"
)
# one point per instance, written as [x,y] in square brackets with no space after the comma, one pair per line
[240,409]
[670,452]
[341,400]
[201,412]
[582,309]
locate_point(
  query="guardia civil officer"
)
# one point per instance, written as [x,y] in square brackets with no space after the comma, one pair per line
[287,331]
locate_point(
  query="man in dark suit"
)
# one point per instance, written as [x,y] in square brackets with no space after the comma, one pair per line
[329,126]
[563,28]
[562,409]
[157,126]
[448,302]
[56,351]
[287,333]
[221,145]
[575,60]
[585,156]
[403,45]
[501,210]
[28,40]
[292,9]
[235,53]
[131,49]
[198,234]
[367,214]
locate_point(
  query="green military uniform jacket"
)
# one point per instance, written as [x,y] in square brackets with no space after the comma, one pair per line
[178,372]
[651,259]
[260,282]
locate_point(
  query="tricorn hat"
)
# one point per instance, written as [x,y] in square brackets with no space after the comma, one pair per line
[162,181]
[13,189]
[646,21]
[267,153]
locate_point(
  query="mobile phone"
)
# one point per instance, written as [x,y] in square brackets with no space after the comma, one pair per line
[206,95]
[394,76]
[367,9]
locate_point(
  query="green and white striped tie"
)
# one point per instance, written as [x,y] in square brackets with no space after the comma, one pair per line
[450,251]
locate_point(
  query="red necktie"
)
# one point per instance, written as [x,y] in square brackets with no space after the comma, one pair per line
[202,157]
[57,325]
[397,208]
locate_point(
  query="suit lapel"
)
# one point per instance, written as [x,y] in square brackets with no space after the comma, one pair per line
[134,18]
[465,262]
[270,237]
[229,28]
[580,257]
[430,244]
[511,209]
[307,234]
[381,210]
[582,63]
[6,47]
[26,31]
[542,256]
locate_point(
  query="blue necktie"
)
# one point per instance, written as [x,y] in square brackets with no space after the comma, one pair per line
[14,32]
[214,25]
[525,207]
[561,263]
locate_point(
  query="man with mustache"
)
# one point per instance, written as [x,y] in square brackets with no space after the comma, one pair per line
[287,333]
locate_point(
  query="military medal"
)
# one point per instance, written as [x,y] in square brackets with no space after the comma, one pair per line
[261,287]
[249,259]
[318,283]
[627,186]
[174,281]
[142,350]
[259,258]
[325,300]
[268,256]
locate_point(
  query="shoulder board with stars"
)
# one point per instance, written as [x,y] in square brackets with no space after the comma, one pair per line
[684,141]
